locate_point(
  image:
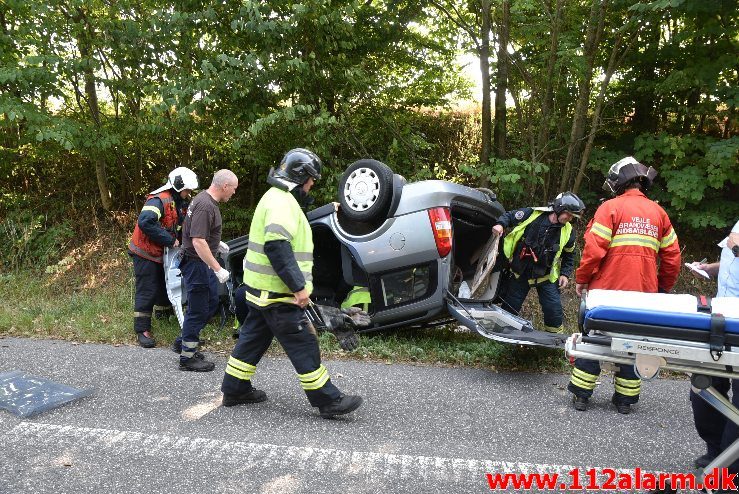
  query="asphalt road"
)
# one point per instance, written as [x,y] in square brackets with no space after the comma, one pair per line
[149,427]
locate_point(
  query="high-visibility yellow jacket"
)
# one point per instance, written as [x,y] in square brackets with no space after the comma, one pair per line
[277,217]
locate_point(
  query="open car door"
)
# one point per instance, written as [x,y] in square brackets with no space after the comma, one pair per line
[494,323]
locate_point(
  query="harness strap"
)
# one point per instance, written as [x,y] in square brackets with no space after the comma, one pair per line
[717,338]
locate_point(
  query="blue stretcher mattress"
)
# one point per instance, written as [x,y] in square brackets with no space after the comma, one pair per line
[699,321]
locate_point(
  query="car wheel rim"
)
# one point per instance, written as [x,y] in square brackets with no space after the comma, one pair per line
[361,190]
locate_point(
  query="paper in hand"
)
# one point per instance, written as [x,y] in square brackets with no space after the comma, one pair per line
[697,270]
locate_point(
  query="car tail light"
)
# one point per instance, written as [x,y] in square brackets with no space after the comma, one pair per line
[441,224]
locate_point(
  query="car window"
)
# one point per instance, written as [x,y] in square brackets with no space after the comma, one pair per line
[406,285]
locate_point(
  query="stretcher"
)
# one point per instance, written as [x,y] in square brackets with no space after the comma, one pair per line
[695,335]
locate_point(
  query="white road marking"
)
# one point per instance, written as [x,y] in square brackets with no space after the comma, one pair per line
[198,411]
[366,464]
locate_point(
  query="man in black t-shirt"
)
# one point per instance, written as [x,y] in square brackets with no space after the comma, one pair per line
[201,236]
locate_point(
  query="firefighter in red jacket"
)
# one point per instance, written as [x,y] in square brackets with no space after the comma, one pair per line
[623,242]
[158,226]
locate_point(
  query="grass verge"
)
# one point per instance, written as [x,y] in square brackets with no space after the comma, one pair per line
[66,306]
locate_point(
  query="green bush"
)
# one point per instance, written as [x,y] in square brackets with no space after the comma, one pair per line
[33,239]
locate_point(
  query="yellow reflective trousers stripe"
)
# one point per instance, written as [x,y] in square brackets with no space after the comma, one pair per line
[314,380]
[239,369]
[628,387]
[583,379]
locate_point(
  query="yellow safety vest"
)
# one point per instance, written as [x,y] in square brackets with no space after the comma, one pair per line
[277,217]
[512,239]
[359,296]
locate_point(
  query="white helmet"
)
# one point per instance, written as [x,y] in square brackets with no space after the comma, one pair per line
[179,179]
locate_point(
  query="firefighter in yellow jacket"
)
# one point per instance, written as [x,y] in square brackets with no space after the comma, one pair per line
[278,280]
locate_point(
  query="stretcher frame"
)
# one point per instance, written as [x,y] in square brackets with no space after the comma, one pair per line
[650,354]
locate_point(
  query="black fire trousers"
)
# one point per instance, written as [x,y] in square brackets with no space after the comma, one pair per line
[150,291]
[289,324]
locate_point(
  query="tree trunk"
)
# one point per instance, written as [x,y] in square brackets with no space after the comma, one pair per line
[485,73]
[85,47]
[548,101]
[499,136]
[590,49]
[692,102]
[613,62]
[644,120]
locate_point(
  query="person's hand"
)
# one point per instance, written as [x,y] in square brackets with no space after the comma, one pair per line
[176,243]
[223,248]
[498,229]
[222,275]
[336,206]
[579,288]
[563,282]
[302,299]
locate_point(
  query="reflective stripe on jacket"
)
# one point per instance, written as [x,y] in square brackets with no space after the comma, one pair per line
[140,243]
[623,242]
[512,239]
[277,217]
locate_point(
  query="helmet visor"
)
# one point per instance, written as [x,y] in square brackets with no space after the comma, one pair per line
[572,205]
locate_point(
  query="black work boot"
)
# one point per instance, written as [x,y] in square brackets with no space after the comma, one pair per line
[340,406]
[581,404]
[196,364]
[146,339]
[253,396]
[177,348]
[622,408]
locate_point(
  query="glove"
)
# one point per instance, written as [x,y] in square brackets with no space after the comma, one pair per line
[222,275]
[348,340]
[341,325]
[357,317]
[223,249]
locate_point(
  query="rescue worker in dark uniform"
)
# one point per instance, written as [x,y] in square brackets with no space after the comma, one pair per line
[201,240]
[278,279]
[623,242]
[541,238]
[158,226]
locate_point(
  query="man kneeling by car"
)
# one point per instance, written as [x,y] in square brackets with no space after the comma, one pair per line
[278,279]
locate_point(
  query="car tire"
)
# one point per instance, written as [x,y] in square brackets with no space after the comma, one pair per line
[366,190]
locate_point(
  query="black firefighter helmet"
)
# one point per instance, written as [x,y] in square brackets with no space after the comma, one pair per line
[568,201]
[628,171]
[298,165]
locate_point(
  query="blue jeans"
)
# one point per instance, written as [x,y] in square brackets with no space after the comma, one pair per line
[202,302]
[515,292]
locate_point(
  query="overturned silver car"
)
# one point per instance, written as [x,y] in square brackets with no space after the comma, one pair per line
[423,251]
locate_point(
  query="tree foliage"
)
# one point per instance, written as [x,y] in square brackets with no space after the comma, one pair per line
[99,99]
